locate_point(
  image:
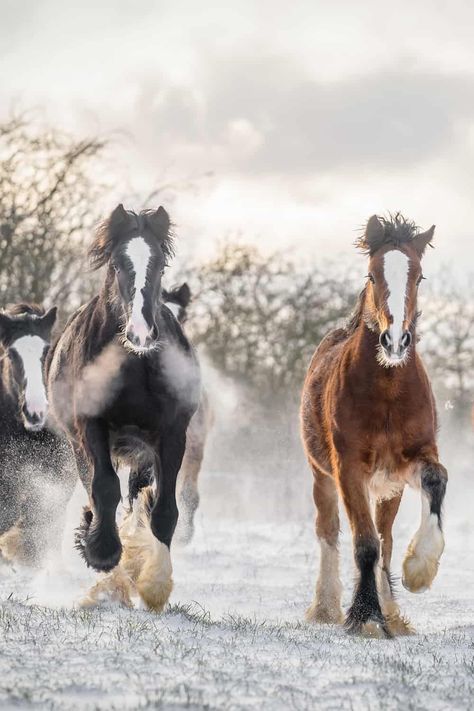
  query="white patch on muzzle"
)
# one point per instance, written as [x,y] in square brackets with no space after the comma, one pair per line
[139,253]
[31,349]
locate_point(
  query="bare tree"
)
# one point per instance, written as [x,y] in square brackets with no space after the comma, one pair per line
[260,318]
[448,340]
[48,205]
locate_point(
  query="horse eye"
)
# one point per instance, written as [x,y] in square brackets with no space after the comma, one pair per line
[370,277]
[116,269]
[420,279]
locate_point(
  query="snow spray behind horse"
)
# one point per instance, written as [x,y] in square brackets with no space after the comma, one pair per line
[368,421]
[32,499]
[124,382]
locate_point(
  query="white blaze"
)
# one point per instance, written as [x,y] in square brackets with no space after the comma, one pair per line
[139,253]
[396,267]
[30,349]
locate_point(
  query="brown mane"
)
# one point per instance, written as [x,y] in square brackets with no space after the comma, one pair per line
[397,230]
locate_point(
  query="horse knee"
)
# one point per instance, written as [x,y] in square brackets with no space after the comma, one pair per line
[327,528]
[106,493]
[164,518]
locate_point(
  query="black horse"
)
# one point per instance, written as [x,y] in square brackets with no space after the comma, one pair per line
[31,454]
[178,300]
[124,382]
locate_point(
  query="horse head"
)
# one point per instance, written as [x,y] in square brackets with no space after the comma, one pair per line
[25,333]
[395,248]
[135,248]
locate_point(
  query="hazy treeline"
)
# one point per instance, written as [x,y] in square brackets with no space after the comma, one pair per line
[257,317]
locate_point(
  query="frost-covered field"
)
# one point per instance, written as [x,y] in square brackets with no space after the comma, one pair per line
[234,635]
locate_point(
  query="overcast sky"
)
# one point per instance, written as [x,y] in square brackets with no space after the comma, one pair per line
[310,116]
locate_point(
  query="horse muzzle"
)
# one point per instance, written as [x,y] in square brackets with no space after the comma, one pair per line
[34,419]
[141,337]
[395,353]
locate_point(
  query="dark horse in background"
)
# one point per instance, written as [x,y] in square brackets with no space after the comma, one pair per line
[368,422]
[31,454]
[124,382]
[178,300]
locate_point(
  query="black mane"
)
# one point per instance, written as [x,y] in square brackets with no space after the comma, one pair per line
[108,235]
[25,309]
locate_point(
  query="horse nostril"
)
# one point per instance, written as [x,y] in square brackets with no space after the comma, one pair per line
[385,340]
[405,339]
[132,337]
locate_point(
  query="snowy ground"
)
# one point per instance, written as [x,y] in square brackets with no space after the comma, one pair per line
[234,635]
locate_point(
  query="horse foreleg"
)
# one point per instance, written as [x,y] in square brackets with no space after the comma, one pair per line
[365,614]
[385,513]
[426,547]
[151,543]
[98,538]
[326,606]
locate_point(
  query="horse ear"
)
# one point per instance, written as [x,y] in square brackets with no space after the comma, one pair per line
[421,241]
[183,295]
[159,222]
[119,214]
[49,319]
[374,233]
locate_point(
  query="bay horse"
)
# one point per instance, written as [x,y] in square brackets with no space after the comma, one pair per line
[124,382]
[369,426]
[178,300]
[31,453]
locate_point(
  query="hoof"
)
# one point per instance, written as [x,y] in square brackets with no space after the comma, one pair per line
[422,558]
[374,630]
[419,572]
[324,614]
[155,582]
[372,625]
[114,588]
[99,544]
[399,626]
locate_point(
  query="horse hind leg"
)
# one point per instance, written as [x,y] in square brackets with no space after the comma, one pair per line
[145,559]
[326,607]
[385,513]
[189,493]
[425,549]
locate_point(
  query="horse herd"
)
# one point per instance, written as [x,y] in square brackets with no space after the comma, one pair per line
[120,385]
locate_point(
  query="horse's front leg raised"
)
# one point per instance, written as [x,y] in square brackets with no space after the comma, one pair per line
[99,540]
[426,547]
[365,614]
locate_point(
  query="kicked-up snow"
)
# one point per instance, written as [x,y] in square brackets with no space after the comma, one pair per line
[234,635]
